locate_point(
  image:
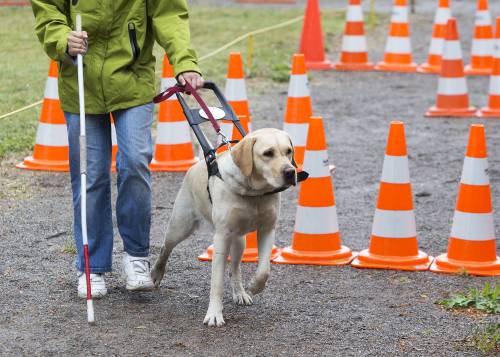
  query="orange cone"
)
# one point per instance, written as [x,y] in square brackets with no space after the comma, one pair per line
[472,245]
[114,143]
[298,107]
[493,108]
[354,55]
[235,91]
[316,237]
[51,152]
[452,97]
[482,44]
[311,40]
[250,254]
[173,149]
[397,57]
[393,244]
[433,64]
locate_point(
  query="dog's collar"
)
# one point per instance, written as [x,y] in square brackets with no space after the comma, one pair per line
[301,176]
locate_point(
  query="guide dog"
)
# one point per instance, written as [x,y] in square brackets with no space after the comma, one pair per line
[243,199]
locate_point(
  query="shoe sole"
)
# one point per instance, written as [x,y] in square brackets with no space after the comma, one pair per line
[94,296]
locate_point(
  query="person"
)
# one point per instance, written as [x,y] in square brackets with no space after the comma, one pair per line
[119,77]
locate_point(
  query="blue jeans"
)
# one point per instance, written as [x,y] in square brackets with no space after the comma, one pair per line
[133,204]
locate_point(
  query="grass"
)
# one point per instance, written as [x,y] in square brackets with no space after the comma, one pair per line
[486,299]
[487,339]
[23,66]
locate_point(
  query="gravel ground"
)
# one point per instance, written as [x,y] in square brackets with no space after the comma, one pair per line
[305,310]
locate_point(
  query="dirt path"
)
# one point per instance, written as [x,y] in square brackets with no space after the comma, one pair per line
[305,310]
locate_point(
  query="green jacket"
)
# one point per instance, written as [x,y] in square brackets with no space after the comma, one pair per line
[119,67]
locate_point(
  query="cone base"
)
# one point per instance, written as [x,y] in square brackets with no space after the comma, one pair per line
[319,66]
[392,67]
[342,256]
[470,71]
[343,66]
[443,264]
[419,262]
[30,163]
[463,112]
[427,68]
[487,112]
[250,255]
[172,166]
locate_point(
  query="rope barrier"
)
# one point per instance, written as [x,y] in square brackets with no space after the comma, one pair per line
[202,58]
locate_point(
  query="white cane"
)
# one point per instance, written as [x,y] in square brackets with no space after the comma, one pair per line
[83,177]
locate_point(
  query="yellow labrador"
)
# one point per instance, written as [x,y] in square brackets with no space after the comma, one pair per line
[240,203]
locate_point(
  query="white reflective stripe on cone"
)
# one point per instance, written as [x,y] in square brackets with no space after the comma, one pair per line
[52,134]
[316,220]
[398,45]
[316,163]
[436,47]
[298,86]
[475,171]
[395,169]
[167,83]
[472,226]
[452,50]
[494,85]
[354,43]
[354,13]
[442,16]
[235,89]
[297,132]
[227,130]
[394,224]
[51,91]
[452,86]
[171,133]
[399,14]
[483,18]
[113,134]
[482,47]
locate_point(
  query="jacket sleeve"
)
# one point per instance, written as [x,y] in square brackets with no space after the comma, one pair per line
[171,28]
[51,27]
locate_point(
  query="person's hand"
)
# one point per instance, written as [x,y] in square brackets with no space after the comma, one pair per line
[77,43]
[193,78]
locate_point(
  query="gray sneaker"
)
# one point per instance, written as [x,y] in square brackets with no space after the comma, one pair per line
[137,273]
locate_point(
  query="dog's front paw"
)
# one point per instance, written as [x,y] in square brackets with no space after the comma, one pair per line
[214,318]
[157,274]
[242,298]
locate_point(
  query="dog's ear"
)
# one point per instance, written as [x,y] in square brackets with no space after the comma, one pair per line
[242,155]
[293,154]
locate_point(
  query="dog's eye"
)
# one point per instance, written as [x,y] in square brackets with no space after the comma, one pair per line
[289,151]
[268,153]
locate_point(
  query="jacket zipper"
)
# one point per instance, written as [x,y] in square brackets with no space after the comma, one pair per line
[133,41]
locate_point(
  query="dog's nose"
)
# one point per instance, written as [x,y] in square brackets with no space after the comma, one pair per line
[290,176]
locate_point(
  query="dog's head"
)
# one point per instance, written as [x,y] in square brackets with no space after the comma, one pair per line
[265,156]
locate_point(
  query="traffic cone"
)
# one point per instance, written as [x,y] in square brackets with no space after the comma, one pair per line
[354,55]
[452,97]
[316,237]
[493,108]
[472,246]
[173,149]
[433,64]
[393,244]
[482,43]
[298,107]
[51,152]
[311,40]
[114,143]
[250,254]
[235,91]
[397,57]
